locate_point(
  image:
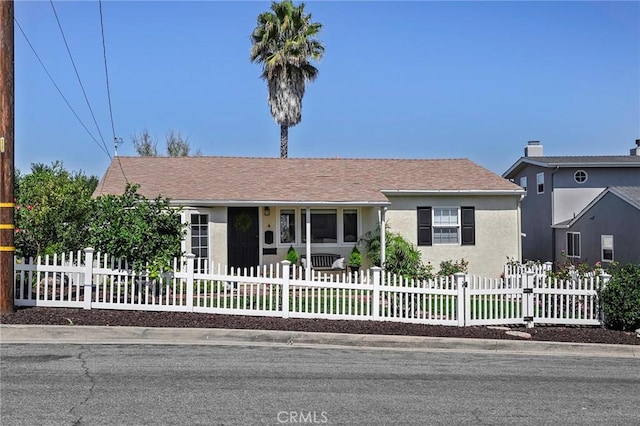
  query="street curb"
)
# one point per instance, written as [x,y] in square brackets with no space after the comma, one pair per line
[56,334]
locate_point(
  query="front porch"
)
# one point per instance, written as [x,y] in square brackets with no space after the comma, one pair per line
[248,236]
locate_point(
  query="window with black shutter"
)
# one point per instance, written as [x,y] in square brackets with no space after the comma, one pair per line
[468,226]
[424,226]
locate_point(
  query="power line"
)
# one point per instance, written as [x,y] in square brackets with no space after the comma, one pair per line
[60,91]
[106,72]
[116,140]
[78,76]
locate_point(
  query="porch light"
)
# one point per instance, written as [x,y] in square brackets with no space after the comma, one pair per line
[267,211]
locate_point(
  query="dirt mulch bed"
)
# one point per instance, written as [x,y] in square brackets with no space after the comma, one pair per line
[65,316]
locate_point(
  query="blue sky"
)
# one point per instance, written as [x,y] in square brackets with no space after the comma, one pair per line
[414,79]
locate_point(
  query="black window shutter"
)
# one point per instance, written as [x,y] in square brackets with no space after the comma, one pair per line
[424,226]
[468,226]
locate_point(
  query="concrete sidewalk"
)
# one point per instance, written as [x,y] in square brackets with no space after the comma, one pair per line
[10,334]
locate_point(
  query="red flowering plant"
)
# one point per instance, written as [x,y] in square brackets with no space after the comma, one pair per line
[570,269]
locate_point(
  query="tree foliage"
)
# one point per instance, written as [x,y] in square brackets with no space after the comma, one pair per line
[284,42]
[53,210]
[146,233]
[176,146]
[145,144]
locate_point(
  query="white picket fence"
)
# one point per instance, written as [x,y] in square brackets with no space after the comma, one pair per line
[97,281]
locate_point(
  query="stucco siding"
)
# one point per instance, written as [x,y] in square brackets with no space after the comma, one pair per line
[218,235]
[497,231]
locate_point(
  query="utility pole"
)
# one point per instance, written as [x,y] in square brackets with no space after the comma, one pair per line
[7,133]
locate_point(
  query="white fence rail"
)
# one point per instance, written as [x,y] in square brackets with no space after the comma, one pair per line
[96,281]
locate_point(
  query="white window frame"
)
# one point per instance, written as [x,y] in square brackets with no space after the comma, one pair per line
[301,228]
[540,182]
[296,226]
[318,210]
[579,253]
[341,224]
[523,184]
[456,226]
[606,243]
[189,242]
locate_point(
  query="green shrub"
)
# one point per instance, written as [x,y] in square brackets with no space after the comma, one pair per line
[403,258]
[620,297]
[450,267]
[355,258]
[292,255]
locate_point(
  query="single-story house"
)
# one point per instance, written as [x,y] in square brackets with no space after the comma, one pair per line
[248,211]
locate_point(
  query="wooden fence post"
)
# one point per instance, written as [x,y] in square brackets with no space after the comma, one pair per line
[190,272]
[286,265]
[375,312]
[463,302]
[88,277]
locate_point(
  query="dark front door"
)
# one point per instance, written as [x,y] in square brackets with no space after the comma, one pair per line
[242,236]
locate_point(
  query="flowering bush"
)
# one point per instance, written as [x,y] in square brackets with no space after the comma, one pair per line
[450,267]
[569,269]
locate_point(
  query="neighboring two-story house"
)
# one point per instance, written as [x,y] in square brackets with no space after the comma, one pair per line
[586,208]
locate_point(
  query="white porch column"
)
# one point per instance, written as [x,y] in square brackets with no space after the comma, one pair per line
[383,236]
[307,271]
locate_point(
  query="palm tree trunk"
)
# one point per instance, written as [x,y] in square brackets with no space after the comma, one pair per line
[284,141]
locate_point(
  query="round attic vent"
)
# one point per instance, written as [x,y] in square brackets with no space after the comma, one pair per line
[580,176]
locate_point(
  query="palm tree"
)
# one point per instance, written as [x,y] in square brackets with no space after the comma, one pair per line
[284,42]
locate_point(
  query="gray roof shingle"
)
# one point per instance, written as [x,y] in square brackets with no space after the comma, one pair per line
[631,193]
[575,161]
[594,160]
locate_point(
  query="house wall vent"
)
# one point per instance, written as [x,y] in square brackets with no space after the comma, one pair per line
[533,149]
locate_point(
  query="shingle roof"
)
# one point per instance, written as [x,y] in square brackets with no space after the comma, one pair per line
[630,193]
[596,160]
[576,161]
[243,179]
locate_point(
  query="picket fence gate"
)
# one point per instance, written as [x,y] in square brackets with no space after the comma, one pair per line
[97,281]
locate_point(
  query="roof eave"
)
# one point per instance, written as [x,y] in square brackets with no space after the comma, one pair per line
[551,164]
[258,203]
[511,192]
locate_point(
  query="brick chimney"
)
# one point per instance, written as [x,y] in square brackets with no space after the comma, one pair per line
[533,149]
[636,151]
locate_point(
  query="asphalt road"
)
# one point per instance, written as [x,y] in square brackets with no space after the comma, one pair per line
[63,384]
